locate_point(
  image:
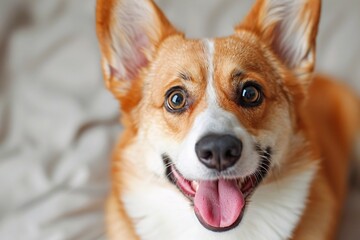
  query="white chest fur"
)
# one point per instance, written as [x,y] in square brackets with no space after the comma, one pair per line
[162,213]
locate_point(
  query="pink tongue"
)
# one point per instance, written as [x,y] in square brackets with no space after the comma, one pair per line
[219,203]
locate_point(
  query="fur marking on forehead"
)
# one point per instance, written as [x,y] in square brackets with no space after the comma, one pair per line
[209,46]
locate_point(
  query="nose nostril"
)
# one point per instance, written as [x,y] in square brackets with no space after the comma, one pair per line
[233,152]
[207,155]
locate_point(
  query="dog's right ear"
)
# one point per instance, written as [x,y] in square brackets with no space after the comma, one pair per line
[129,32]
[289,29]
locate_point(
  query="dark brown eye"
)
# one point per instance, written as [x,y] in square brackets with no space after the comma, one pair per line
[250,95]
[175,100]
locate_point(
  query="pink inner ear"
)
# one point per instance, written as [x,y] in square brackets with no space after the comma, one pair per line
[135,59]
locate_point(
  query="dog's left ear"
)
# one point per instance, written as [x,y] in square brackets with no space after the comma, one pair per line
[129,32]
[289,28]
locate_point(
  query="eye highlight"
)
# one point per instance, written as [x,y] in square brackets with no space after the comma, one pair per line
[249,95]
[176,100]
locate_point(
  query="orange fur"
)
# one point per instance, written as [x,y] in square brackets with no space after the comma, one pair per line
[333,113]
[325,113]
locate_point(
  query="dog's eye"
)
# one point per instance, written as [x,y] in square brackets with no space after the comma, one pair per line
[250,95]
[175,100]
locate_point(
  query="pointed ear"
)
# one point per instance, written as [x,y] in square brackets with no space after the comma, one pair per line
[289,27]
[129,32]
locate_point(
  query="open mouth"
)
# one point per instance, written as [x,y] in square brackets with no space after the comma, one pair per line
[219,204]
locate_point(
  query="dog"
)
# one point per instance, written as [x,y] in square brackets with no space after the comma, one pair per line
[226,138]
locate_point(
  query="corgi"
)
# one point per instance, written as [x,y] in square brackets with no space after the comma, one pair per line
[226,138]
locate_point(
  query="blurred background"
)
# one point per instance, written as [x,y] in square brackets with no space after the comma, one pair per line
[58,123]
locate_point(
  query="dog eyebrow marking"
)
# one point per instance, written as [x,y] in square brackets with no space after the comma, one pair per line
[184,76]
[210,90]
[237,74]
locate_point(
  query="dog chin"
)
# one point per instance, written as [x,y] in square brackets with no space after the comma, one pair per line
[219,204]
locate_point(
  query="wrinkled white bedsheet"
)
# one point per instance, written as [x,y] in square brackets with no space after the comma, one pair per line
[58,123]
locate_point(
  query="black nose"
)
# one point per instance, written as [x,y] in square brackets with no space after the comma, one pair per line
[218,151]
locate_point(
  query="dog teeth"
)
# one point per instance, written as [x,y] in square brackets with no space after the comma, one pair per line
[195,185]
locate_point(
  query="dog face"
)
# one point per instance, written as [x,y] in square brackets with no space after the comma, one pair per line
[216,115]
